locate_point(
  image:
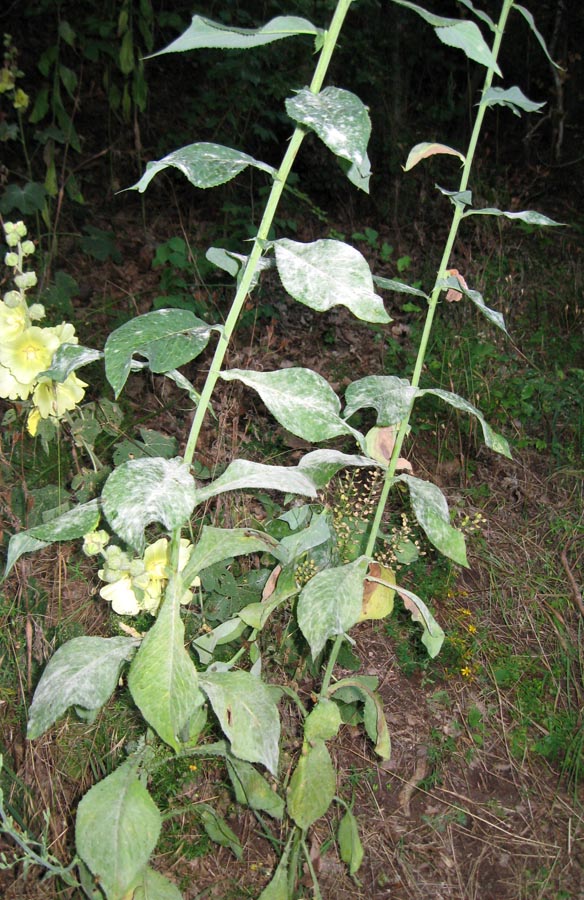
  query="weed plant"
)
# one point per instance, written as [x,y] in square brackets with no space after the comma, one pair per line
[195,666]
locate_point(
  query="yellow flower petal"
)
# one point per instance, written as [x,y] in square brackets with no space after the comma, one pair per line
[121,596]
[29,353]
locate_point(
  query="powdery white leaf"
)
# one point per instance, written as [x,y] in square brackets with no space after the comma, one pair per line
[460,199]
[431,511]
[162,679]
[142,491]
[167,338]
[116,830]
[68,358]
[512,97]
[248,714]
[424,150]
[341,121]
[432,636]
[322,465]
[154,886]
[204,165]
[83,672]
[389,284]
[217,544]
[328,273]
[493,440]
[331,603]
[203,32]
[391,397]
[528,215]
[243,473]
[299,399]
[457,283]
[251,788]
[74,523]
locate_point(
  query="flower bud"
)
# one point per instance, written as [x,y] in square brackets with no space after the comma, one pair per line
[12,239]
[94,542]
[11,260]
[26,280]
[28,248]
[12,299]
[20,229]
[36,311]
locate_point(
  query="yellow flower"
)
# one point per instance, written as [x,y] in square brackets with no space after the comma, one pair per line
[29,353]
[466,671]
[53,398]
[21,99]
[13,321]
[472,629]
[121,596]
[11,388]
[65,332]
[32,423]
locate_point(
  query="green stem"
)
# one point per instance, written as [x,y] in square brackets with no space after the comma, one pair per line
[433,302]
[332,661]
[280,178]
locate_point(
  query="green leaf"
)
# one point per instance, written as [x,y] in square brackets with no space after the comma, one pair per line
[424,150]
[154,886]
[323,722]
[341,121]
[218,829]
[479,14]
[363,688]
[390,285]
[217,544]
[243,473]
[83,672]
[204,165]
[248,714]
[493,440]
[464,35]
[331,603]
[227,631]
[167,338]
[147,490]
[204,32]
[252,789]
[513,97]
[312,786]
[459,199]
[531,22]
[72,524]
[350,846]
[163,680]
[277,889]
[67,359]
[329,273]
[389,395]
[528,215]
[322,465]
[27,200]
[431,511]
[295,545]
[116,830]
[302,401]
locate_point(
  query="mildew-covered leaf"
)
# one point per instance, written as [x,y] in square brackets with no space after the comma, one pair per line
[68,358]
[74,523]
[243,473]
[431,511]
[512,97]
[391,397]
[331,603]
[203,32]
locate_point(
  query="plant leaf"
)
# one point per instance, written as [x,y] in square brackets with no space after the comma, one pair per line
[68,358]
[204,165]
[454,282]
[424,150]
[295,545]
[227,631]
[162,679]
[528,215]
[331,603]
[248,714]
[531,22]
[243,473]
[363,688]
[479,14]
[390,396]
[154,886]
[203,32]
[493,440]
[512,97]
[277,889]
[433,636]
[390,285]
[431,511]
[217,544]
[312,786]
[167,338]
[460,199]
[252,789]
[322,465]
[350,846]
[116,829]
[341,121]
[83,672]
[218,829]
[328,273]
[323,722]
[72,524]
[299,399]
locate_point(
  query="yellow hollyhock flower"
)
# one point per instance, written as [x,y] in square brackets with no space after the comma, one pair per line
[65,332]
[29,353]
[13,321]
[32,423]
[11,388]
[53,398]
[121,596]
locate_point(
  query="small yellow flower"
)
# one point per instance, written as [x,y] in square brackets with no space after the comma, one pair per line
[466,612]
[32,423]
[466,671]
[29,353]
[21,99]
[472,629]
[53,398]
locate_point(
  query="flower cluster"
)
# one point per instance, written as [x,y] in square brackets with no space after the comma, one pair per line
[27,350]
[136,585]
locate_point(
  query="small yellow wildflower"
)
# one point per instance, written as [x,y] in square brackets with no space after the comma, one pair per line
[472,629]
[466,671]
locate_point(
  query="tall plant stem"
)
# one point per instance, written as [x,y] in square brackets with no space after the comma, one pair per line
[433,301]
[330,40]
